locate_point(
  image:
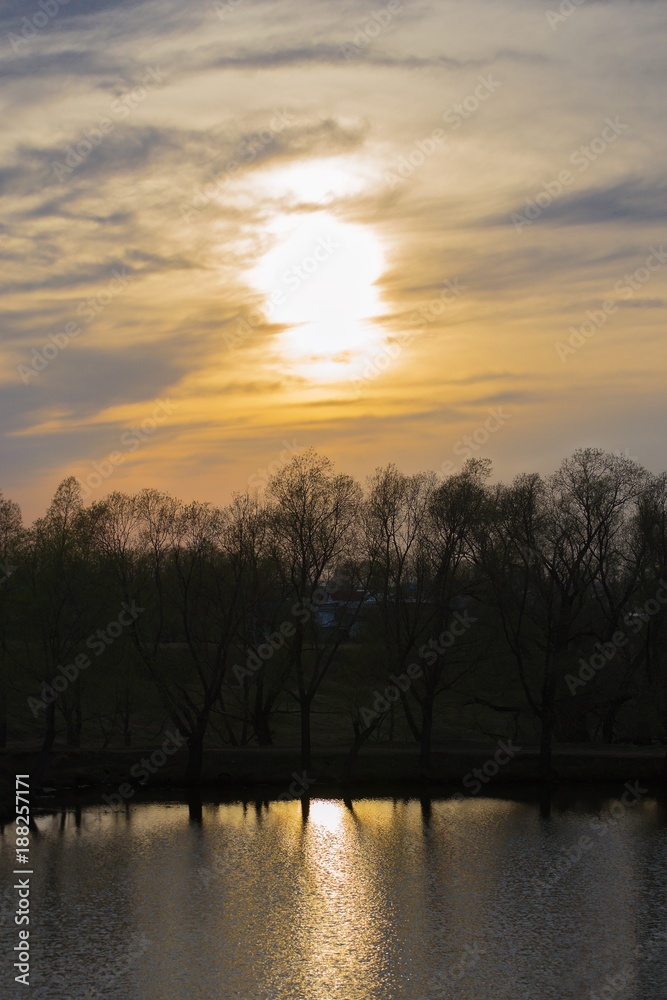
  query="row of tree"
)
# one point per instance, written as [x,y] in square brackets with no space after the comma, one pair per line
[422,608]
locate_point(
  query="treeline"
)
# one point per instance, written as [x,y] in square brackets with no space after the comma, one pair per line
[414,609]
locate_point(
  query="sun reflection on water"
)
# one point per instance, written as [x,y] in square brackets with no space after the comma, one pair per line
[341,930]
[368,899]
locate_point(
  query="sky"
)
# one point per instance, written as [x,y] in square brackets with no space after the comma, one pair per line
[407,232]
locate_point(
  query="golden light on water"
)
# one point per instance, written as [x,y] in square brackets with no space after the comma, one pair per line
[326,814]
[340,929]
[368,899]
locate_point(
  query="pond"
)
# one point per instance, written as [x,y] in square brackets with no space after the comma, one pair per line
[364,899]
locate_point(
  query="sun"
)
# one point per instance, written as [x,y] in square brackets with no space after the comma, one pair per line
[316,182]
[319,280]
[319,274]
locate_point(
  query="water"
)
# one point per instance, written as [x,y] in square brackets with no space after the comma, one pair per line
[481,899]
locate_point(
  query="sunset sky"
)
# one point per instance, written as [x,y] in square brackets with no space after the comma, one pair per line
[234,230]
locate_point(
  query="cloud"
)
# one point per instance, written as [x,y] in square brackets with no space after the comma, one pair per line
[122,206]
[14,10]
[633,200]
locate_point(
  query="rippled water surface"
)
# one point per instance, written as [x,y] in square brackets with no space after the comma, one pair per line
[482,899]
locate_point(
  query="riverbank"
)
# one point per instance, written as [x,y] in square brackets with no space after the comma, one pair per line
[118,775]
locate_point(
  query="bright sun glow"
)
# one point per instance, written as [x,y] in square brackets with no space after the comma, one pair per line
[319,280]
[316,181]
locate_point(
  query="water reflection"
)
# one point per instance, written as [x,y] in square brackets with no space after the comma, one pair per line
[380,899]
[195,808]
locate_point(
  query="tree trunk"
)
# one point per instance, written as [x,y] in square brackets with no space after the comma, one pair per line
[360,737]
[305,734]
[47,746]
[50,732]
[548,721]
[74,722]
[262,718]
[546,752]
[426,734]
[608,724]
[304,698]
[127,735]
[263,730]
[195,808]
[193,767]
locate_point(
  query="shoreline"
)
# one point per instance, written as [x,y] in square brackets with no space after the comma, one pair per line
[116,775]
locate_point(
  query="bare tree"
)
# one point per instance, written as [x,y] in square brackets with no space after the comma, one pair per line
[396,524]
[63,604]
[11,535]
[313,516]
[556,558]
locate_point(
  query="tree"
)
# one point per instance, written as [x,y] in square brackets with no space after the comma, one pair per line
[395,520]
[259,680]
[456,510]
[417,538]
[313,513]
[63,606]
[647,618]
[11,534]
[215,554]
[557,562]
